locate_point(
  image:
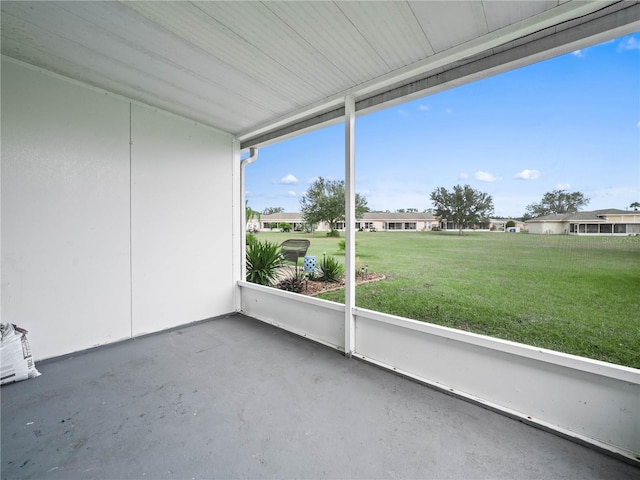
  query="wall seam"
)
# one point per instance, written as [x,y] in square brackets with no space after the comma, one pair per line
[130,226]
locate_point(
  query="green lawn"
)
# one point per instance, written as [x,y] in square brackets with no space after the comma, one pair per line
[577,295]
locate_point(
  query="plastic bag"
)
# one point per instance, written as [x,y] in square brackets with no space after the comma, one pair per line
[17,361]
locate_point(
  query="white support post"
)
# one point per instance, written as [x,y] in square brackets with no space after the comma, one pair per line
[350,223]
[238,234]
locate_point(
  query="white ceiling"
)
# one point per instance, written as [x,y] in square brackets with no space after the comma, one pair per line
[247,67]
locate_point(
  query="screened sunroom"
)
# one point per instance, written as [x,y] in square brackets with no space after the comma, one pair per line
[127,130]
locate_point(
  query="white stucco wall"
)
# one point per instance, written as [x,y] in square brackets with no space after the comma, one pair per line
[97,247]
[182,221]
[552,228]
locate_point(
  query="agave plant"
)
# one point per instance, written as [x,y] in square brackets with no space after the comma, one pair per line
[331,270]
[264,259]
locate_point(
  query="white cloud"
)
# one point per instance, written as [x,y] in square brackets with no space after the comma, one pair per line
[423,108]
[448,110]
[287,180]
[578,53]
[527,174]
[562,186]
[487,177]
[403,113]
[631,43]
[463,175]
[292,193]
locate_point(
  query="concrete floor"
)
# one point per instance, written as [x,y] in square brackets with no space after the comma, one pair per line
[235,398]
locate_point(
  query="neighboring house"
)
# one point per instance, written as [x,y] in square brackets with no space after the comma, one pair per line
[370,221]
[597,222]
[451,225]
[397,221]
[293,219]
[500,224]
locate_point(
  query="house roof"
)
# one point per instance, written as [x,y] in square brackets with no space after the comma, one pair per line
[398,216]
[264,70]
[281,217]
[369,216]
[592,216]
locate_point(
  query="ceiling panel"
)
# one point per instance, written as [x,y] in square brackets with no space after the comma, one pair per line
[288,52]
[392,30]
[188,22]
[502,14]
[246,66]
[334,37]
[449,24]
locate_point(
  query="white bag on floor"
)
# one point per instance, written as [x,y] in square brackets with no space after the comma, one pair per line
[16,358]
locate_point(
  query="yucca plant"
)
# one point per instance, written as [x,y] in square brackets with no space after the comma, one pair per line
[331,270]
[264,259]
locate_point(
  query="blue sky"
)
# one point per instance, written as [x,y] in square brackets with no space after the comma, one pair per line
[571,122]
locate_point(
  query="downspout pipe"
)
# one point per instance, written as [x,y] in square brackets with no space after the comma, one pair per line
[253,156]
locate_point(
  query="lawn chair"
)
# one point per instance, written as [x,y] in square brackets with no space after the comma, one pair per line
[294,248]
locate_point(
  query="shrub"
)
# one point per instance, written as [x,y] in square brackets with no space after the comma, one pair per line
[263,261]
[251,238]
[293,283]
[285,227]
[331,270]
[510,224]
[333,233]
[342,245]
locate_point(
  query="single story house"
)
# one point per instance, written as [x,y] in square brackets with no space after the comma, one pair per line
[500,224]
[369,221]
[597,222]
[491,225]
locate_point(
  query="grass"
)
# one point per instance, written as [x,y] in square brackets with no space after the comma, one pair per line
[574,294]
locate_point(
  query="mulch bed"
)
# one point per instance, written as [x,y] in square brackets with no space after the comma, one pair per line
[314,288]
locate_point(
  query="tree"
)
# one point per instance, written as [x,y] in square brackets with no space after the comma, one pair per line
[557,202]
[464,206]
[635,206]
[272,210]
[325,201]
